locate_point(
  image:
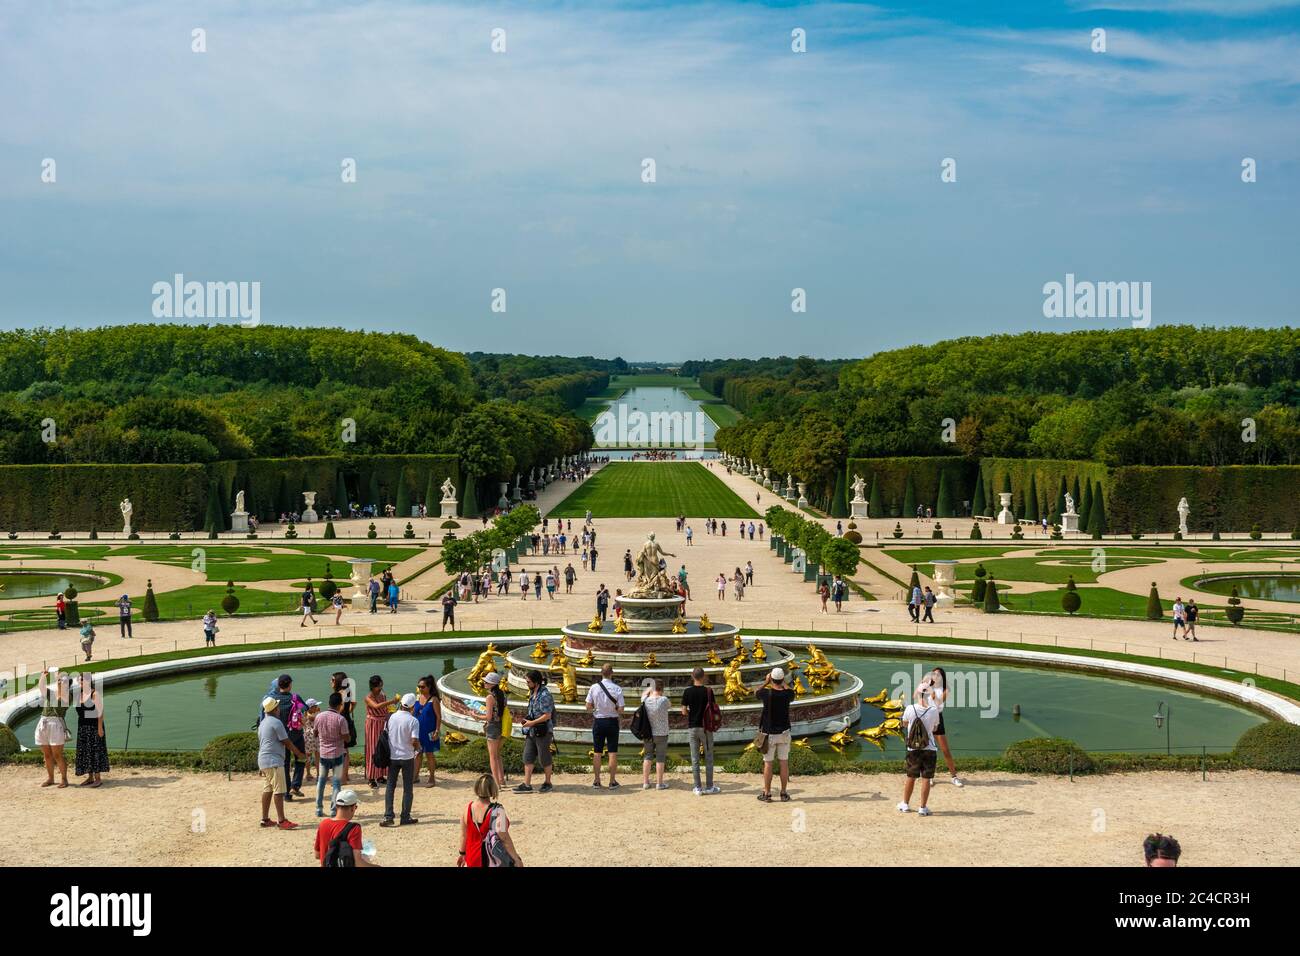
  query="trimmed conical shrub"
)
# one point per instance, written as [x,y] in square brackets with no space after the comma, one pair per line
[230,603]
[327,585]
[403,496]
[975,531]
[376,498]
[1060,498]
[1235,611]
[1085,505]
[341,493]
[909,498]
[291,532]
[150,602]
[915,581]
[372,533]
[329,529]
[71,612]
[409,532]
[938,530]
[876,505]
[432,495]
[991,603]
[213,523]
[1154,611]
[980,585]
[1097,513]
[898,529]
[1031,500]
[839,497]
[978,503]
[468,507]
[943,508]
[1070,600]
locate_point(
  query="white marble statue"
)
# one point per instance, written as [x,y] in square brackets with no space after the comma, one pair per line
[239,502]
[859,486]
[125,508]
[448,490]
[1183,511]
[1069,503]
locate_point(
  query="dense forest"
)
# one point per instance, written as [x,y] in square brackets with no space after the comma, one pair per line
[174,394]
[1169,395]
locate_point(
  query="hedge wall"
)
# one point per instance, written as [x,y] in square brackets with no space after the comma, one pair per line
[1047,474]
[75,497]
[891,473]
[1231,498]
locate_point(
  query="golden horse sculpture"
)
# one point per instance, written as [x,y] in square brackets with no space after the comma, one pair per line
[595,624]
[482,667]
[713,658]
[540,650]
[650,661]
[620,626]
[679,625]
[705,624]
[735,689]
[758,652]
[878,699]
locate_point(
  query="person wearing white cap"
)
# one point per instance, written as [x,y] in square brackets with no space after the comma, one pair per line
[403,744]
[774,731]
[338,839]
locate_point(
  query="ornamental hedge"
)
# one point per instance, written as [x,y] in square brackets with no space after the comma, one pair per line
[1048,755]
[1230,498]
[1271,746]
[888,480]
[1045,475]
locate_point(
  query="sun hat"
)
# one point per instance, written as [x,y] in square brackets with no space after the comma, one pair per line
[269,704]
[346,798]
[408,700]
[492,678]
[312,702]
[778,674]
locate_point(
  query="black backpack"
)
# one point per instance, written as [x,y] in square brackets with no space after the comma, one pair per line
[383,753]
[340,852]
[640,726]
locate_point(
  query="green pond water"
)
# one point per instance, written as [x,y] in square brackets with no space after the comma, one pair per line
[1267,587]
[25,584]
[1099,713]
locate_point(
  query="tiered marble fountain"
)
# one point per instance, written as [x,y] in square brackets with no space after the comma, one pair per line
[653,639]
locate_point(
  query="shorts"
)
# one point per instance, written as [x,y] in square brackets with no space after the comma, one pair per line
[306,610]
[938,730]
[51,732]
[604,734]
[921,763]
[492,731]
[656,749]
[537,750]
[273,780]
[778,747]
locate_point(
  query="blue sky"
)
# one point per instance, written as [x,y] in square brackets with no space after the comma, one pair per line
[775,170]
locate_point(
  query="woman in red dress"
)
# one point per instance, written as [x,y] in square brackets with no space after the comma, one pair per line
[376,720]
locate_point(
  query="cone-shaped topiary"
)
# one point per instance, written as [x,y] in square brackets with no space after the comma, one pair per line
[938,530]
[978,503]
[1017,532]
[291,532]
[1255,532]
[1097,512]
[915,581]
[981,583]
[876,501]
[898,530]
[372,533]
[341,493]
[991,604]
[327,585]
[230,603]
[909,498]
[94,535]
[329,529]
[409,532]
[1235,611]
[943,507]
[71,611]
[403,496]
[150,602]
[840,497]
[1031,500]
[1070,600]
[469,507]
[1154,611]
[975,531]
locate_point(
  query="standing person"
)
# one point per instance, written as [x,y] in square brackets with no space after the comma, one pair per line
[311,742]
[404,742]
[87,639]
[485,825]
[749,571]
[584,557]
[1180,618]
[337,602]
[524,584]
[697,702]
[837,593]
[1193,612]
[428,711]
[914,603]
[627,565]
[738,583]
[570,576]
[824,592]
[689,535]
[539,725]
[656,746]
[936,684]
[291,711]
[341,684]
[537,585]
[724,529]
[605,704]
[272,739]
[449,610]
[775,723]
[331,738]
[124,614]
[760,531]
[308,602]
[920,720]
[376,720]
[374,595]
[331,834]
[494,708]
[602,602]
[721,583]
[52,729]
[928,600]
[61,611]
[594,552]
[393,593]
[210,629]
[92,739]
[682,580]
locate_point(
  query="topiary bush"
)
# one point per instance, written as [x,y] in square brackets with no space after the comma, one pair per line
[472,757]
[1017,532]
[329,529]
[898,529]
[409,532]
[372,533]
[1255,533]
[1154,611]
[150,603]
[980,585]
[94,535]
[938,530]
[1070,600]
[853,536]
[230,603]
[804,762]
[1271,746]
[1234,612]
[991,603]
[975,531]
[449,523]
[327,586]
[1047,755]
[8,743]
[237,752]
[71,610]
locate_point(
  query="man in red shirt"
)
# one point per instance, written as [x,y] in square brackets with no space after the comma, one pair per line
[345,807]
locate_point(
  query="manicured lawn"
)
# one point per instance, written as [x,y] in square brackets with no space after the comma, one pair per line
[721,413]
[654,490]
[925,555]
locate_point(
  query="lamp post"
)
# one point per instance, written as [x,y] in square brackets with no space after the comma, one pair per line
[135,706]
[1164,716]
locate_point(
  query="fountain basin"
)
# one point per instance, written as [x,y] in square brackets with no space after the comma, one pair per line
[653,615]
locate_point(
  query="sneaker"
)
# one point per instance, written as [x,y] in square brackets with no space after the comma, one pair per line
[388,823]
[614,785]
[662,786]
[286,825]
[320,813]
[957,782]
[596,784]
[903,807]
[523,788]
[764,798]
[409,821]
[545,788]
[697,791]
[713,790]
[645,786]
[785,797]
[924,812]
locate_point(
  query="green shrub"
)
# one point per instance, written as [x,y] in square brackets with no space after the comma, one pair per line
[1271,746]
[991,603]
[938,530]
[1017,532]
[409,532]
[1255,533]
[1070,600]
[898,529]
[94,535]
[8,742]
[1154,611]
[1295,533]
[1178,536]
[804,762]
[472,757]
[1047,755]
[150,603]
[237,752]
[1234,612]
[980,585]
[329,529]
[230,603]
[372,533]
[291,532]
[915,580]
[853,536]
[975,531]
[449,523]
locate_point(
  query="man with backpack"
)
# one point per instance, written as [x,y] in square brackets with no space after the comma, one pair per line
[338,839]
[920,719]
[703,717]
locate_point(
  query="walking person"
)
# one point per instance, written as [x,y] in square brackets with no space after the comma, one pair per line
[428,712]
[539,727]
[331,739]
[537,585]
[698,707]
[495,706]
[1180,618]
[210,629]
[1192,611]
[914,604]
[124,614]
[377,710]
[928,600]
[570,576]
[337,603]
[92,739]
[373,591]
[272,741]
[656,745]
[594,552]
[449,610]
[52,729]
[341,684]
[919,720]
[393,594]
[605,704]
[308,606]
[774,725]
[87,639]
[721,583]
[837,593]
[689,535]
[749,570]
[936,684]
[486,829]
[824,592]
[524,584]
[404,745]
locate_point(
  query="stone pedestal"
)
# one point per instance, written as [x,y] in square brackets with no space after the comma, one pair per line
[1005,516]
[239,521]
[448,507]
[859,509]
[1069,521]
[945,581]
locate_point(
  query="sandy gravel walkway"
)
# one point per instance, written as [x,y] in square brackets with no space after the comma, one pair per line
[150,817]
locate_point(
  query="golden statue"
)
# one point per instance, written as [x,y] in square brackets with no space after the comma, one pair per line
[679,625]
[587,659]
[454,738]
[540,650]
[713,658]
[759,653]
[742,655]
[878,741]
[595,624]
[558,657]
[878,699]
[872,733]
[799,689]
[705,624]
[482,667]
[620,625]
[799,743]
[841,739]
[821,672]
[568,681]
[890,724]
[893,708]
[736,641]
[735,689]
[650,661]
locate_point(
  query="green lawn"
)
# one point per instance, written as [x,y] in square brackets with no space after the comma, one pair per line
[654,490]
[721,413]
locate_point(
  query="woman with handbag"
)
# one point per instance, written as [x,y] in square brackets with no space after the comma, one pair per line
[486,829]
[377,706]
[210,629]
[92,738]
